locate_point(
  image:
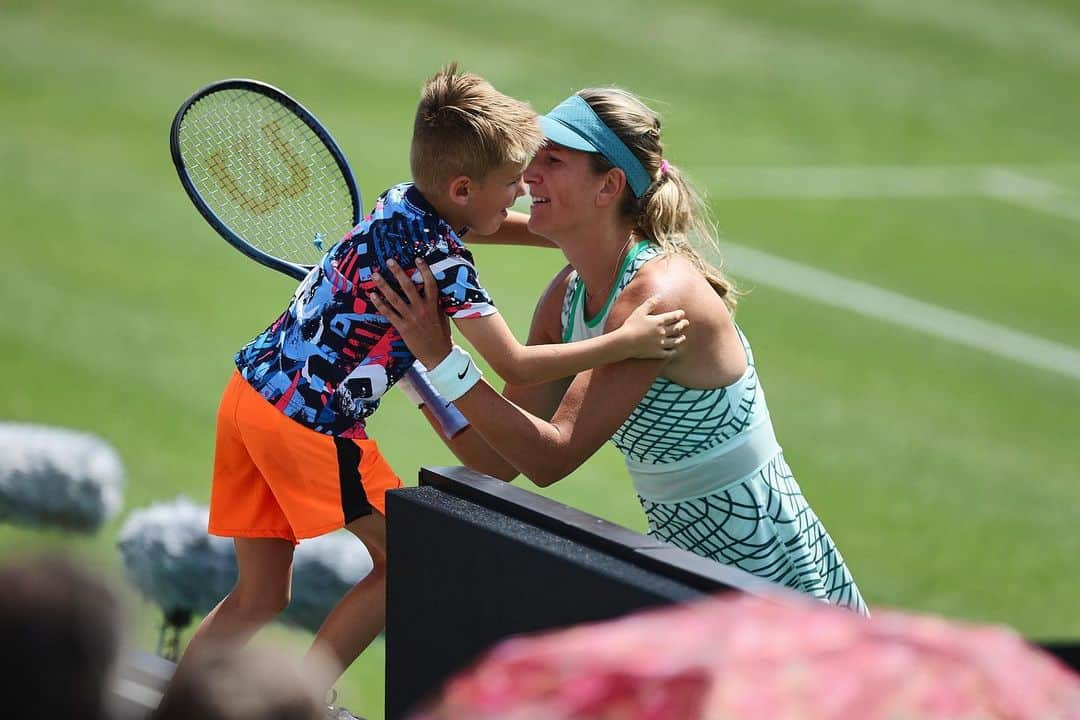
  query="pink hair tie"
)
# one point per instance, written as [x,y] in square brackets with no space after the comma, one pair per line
[664,167]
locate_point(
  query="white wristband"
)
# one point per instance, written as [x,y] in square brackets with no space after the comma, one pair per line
[455,375]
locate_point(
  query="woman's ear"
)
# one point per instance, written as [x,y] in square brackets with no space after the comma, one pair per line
[611,190]
[459,190]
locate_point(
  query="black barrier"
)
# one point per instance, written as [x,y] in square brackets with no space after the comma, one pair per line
[475,560]
[1066,652]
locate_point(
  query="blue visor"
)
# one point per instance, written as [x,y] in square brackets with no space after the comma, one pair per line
[574,124]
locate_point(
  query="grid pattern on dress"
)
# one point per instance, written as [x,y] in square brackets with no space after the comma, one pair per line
[673,422]
[762,525]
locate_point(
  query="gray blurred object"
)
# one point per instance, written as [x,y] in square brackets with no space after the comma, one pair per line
[174,562]
[138,684]
[58,478]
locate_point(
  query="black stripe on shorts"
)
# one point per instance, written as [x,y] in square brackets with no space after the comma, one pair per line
[354,501]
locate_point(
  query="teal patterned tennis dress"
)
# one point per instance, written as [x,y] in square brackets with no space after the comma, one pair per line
[710,474]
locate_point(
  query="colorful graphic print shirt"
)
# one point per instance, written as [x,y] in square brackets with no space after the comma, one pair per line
[327,360]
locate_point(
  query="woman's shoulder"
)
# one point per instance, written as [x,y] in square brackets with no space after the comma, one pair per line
[664,274]
[680,285]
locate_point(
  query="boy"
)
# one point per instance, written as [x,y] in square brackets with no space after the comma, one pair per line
[293,459]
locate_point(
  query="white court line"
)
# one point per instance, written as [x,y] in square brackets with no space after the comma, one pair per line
[885,181]
[878,181]
[1032,193]
[840,292]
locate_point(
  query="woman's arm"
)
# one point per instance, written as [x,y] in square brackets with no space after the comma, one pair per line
[472,451]
[596,403]
[540,399]
[513,231]
[641,335]
[470,445]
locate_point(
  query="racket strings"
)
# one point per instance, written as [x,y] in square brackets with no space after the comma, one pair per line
[266,174]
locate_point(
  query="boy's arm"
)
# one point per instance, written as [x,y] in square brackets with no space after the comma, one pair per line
[520,364]
[513,231]
[642,336]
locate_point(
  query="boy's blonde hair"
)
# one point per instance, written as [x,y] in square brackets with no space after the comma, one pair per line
[464,126]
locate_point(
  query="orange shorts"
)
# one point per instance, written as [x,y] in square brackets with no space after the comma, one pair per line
[273,477]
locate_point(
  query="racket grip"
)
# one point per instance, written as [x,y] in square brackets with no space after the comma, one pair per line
[450,418]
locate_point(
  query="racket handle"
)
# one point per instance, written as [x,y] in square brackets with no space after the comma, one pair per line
[450,418]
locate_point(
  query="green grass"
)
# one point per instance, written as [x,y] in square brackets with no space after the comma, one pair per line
[981,257]
[947,476]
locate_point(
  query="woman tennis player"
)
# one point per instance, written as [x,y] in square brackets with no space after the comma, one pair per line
[694,430]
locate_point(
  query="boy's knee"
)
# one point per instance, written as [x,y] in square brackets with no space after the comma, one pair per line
[378,557]
[371,531]
[262,605]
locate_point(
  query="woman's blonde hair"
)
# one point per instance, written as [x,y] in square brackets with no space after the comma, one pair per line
[670,212]
[464,126]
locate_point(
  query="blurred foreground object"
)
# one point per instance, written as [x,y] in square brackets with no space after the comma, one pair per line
[60,629]
[241,684]
[747,657]
[59,478]
[175,563]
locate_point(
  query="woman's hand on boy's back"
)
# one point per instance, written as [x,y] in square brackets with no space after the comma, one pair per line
[417,317]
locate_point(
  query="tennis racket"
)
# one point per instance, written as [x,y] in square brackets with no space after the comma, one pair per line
[266,174]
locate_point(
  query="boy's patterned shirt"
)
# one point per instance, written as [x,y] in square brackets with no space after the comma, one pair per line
[327,360]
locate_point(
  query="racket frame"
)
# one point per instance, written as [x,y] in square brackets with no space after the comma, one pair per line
[294,270]
[449,417]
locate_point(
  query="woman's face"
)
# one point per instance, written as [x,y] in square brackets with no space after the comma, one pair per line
[563,187]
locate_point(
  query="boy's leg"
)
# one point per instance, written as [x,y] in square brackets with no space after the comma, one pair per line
[262,590]
[358,617]
[243,505]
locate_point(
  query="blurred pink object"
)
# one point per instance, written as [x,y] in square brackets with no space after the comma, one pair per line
[741,656]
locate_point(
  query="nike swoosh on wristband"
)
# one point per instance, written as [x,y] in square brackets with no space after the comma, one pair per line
[461,375]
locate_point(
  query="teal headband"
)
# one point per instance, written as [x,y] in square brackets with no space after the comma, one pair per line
[574,124]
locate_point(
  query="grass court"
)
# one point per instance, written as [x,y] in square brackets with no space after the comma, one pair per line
[890,176]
